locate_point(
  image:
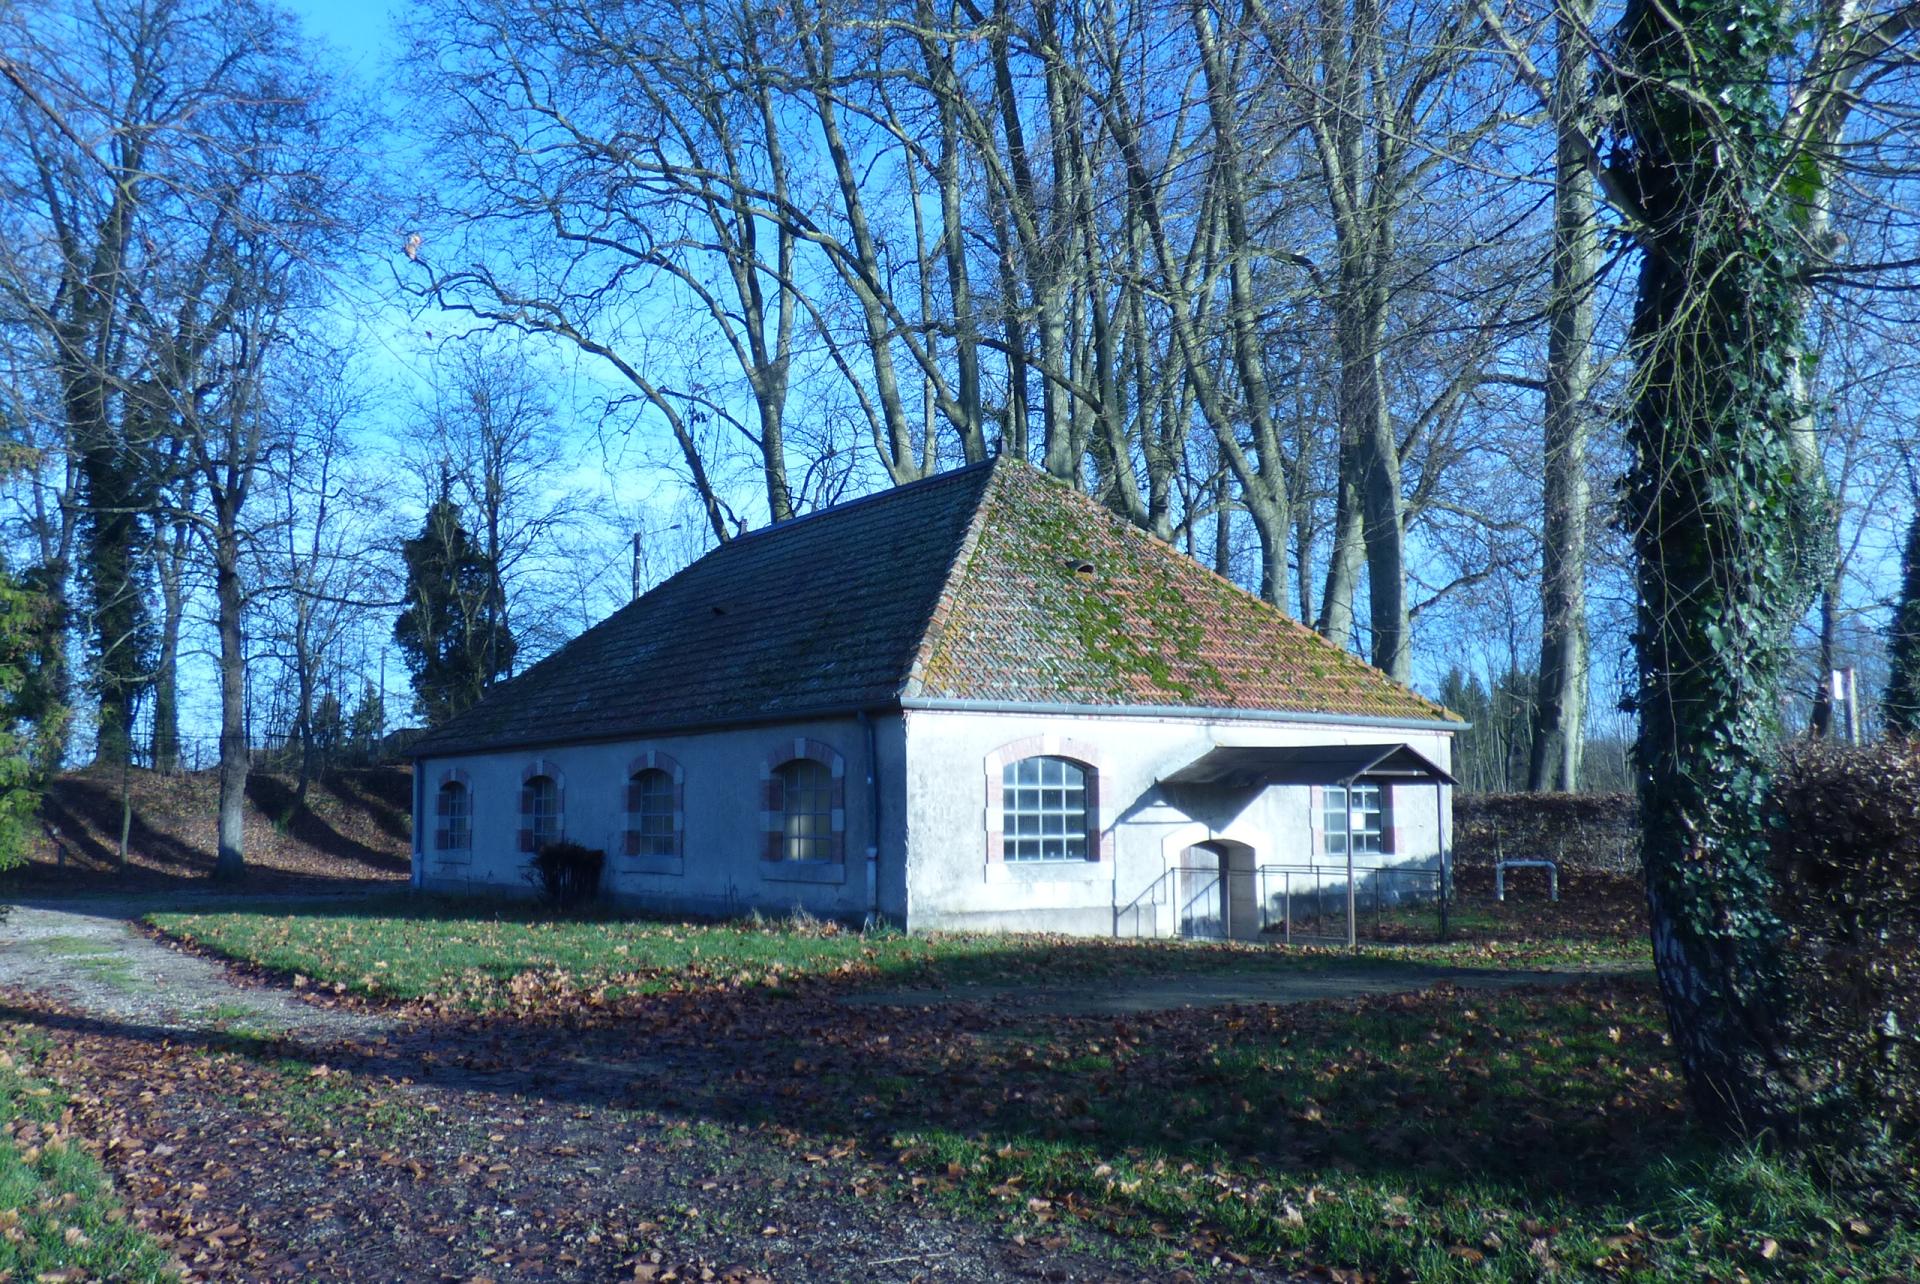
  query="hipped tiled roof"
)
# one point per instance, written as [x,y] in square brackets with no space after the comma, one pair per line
[991,583]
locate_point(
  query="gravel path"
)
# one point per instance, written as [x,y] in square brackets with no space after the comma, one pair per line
[87,952]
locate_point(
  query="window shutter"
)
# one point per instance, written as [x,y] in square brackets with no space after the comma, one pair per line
[442,801]
[632,842]
[442,840]
[526,839]
[633,795]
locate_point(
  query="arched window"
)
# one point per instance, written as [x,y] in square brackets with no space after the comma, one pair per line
[652,828]
[539,812]
[806,809]
[453,817]
[1044,809]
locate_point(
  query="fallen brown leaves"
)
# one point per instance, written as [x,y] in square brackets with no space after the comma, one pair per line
[450,1154]
[354,829]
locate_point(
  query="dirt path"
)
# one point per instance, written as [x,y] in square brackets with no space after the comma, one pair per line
[667,1142]
[398,1156]
[86,952]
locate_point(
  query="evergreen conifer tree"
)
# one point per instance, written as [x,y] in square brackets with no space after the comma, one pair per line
[451,633]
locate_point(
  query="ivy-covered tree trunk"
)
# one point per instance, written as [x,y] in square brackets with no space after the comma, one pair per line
[1728,524]
[120,631]
[1902,704]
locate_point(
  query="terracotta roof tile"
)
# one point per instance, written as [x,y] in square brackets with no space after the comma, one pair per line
[1058,600]
[991,582]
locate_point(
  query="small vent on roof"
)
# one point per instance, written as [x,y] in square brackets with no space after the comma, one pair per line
[719,610]
[1080,566]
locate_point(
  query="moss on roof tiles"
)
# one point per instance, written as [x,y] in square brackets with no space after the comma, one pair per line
[1022,622]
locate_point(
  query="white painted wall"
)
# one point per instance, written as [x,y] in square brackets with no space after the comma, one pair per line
[722,871]
[952,883]
[933,870]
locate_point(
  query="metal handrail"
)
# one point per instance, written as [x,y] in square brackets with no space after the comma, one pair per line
[1327,876]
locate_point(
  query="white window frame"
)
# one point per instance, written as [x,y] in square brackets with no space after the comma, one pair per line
[458,839]
[654,821]
[1368,802]
[1045,819]
[544,789]
[806,832]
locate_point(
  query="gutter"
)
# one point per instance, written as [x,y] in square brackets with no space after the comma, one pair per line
[941,704]
[420,749]
[655,731]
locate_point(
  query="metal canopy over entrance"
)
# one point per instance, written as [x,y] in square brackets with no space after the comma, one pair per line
[1245,766]
[1257,766]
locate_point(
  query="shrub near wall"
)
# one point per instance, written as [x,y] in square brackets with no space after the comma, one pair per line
[1846,858]
[567,873]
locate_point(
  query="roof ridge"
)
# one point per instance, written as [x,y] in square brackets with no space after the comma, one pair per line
[913,682]
[871,497]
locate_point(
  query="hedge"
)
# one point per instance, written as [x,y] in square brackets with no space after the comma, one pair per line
[1846,864]
[1581,831]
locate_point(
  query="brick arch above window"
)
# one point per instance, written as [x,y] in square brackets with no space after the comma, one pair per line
[1089,756]
[632,838]
[773,801]
[538,768]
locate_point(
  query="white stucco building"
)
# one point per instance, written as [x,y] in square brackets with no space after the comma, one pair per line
[977,701]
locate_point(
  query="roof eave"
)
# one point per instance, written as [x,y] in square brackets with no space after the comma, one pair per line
[1213,712]
[839,709]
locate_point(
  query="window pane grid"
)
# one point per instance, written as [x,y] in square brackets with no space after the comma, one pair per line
[806,792]
[545,819]
[652,821]
[1044,810]
[456,822]
[1358,815]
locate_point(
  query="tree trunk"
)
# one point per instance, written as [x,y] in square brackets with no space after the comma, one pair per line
[231,863]
[1344,559]
[1821,724]
[1558,735]
[166,667]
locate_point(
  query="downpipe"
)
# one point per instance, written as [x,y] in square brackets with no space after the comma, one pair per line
[872,822]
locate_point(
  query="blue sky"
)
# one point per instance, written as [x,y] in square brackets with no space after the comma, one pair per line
[360,29]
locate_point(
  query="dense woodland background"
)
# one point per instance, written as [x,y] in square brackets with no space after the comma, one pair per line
[333,398]
[1554,357]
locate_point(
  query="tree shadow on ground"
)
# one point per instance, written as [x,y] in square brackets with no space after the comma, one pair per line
[274,797]
[384,795]
[1425,1092]
[77,811]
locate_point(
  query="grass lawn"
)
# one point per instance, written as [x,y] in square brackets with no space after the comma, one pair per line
[1434,1136]
[58,1212]
[488,954]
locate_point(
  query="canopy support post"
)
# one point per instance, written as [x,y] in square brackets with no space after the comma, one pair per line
[1440,845]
